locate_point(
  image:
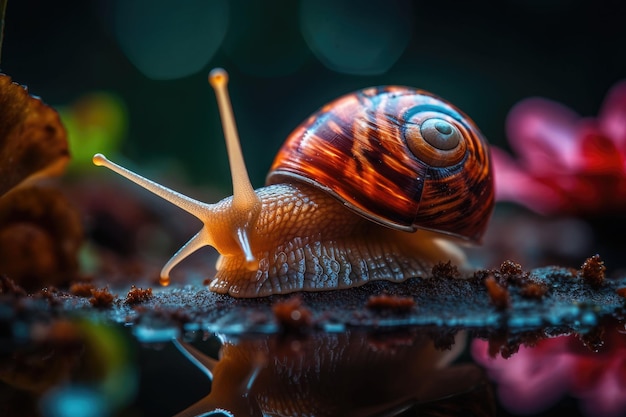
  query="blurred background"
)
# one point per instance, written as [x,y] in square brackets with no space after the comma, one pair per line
[138,67]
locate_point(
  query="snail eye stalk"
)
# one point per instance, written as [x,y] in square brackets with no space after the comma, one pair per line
[238,216]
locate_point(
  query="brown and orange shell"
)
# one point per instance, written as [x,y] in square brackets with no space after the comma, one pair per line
[366,149]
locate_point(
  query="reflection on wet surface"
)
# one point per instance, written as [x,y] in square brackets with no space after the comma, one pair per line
[588,368]
[432,346]
[344,374]
[65,367]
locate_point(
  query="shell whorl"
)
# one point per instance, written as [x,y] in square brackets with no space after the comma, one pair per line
[361,148]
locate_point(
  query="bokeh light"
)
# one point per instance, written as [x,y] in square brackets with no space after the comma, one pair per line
[95,122]
[264,39]
[75,401]
[363,40]
[168,41]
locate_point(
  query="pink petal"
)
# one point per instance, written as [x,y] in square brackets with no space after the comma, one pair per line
[598,153]
[535,378]
[516,185]
[604,393]
[543,133]
[531,380]
[534,392]
[613,115]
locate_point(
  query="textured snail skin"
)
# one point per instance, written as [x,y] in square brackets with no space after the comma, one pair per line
[306,240]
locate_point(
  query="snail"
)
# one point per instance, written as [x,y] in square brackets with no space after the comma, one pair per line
[379,184]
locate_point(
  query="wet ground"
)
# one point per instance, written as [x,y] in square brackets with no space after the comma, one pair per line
[380,349]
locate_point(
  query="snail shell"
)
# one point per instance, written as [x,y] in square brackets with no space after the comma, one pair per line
[399,156]
[343,192]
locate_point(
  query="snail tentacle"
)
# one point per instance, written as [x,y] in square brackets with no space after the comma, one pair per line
[245,199]
[200,240]
[229,224]
[246,204]
[190,205]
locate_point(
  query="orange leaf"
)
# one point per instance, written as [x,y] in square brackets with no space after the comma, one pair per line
[33,142]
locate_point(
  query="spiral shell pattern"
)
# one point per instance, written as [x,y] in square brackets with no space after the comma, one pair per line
[401,157]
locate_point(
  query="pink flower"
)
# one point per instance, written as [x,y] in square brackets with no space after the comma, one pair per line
[566,164]
[534,379]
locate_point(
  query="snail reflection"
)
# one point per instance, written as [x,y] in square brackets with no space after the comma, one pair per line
[344,374]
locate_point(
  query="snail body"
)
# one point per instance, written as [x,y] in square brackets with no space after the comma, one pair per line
[342,193]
